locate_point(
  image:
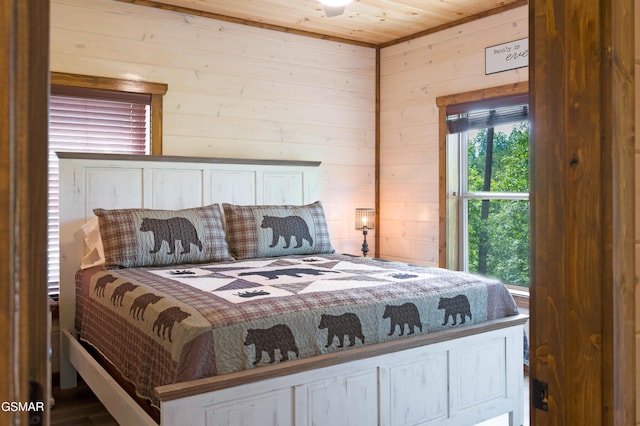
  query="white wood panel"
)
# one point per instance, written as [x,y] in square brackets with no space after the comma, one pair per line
[346,400]
[480,374]
[202,35]
[362,399]
[303,142]
[234,86]
[282,188]
[270,409]
[233,186]
[327,403]
[454,40]
[272,130]
[418,252]
[420,390]
[104,188]
[175,189]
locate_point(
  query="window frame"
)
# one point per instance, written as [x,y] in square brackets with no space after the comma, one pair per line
[155,90]
[487,97]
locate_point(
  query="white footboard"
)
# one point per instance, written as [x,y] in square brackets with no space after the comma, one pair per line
[461,381]
[472,377]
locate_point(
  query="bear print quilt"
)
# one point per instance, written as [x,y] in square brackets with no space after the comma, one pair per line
[171,324]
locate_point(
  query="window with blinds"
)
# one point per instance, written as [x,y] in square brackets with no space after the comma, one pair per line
[90,120]
[487,187]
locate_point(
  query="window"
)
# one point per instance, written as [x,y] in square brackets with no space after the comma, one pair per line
[487,188]
[89,114]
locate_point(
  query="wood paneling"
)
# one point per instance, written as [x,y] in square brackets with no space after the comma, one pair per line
[582,228]
[367,23]
[238,91]
[413,75]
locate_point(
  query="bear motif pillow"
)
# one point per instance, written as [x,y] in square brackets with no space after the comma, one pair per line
[145,237]
[266,231]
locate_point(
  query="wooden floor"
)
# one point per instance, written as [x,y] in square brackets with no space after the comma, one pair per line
[80,407]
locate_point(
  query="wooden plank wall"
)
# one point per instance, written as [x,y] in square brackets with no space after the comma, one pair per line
[239,91]
[413,74]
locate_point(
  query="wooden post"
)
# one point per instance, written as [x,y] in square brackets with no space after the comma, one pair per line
[24,69]
[582,154]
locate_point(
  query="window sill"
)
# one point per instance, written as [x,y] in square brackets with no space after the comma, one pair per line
[520,295]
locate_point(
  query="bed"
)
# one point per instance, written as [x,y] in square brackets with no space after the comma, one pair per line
[241,319]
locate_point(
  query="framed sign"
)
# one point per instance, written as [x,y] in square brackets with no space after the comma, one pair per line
[506,56]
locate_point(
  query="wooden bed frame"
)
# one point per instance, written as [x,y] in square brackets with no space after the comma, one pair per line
[461,376]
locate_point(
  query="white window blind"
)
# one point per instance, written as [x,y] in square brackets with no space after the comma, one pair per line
[87,120]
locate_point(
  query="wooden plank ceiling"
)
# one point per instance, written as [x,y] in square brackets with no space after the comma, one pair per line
[365,22]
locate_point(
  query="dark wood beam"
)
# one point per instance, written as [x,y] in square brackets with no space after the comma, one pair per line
[24,62]
[581,81]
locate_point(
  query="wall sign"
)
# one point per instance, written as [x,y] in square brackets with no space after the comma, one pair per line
[506,56]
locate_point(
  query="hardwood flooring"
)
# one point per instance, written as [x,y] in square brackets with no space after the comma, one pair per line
[79,407]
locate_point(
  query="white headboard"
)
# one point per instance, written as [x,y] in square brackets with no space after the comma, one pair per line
[88,181]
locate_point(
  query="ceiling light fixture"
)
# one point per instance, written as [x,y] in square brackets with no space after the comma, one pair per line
[335,3]
[334,7]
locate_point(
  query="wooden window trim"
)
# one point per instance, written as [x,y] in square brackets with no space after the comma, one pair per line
[155,90]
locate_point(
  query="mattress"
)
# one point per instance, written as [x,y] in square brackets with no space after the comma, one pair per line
[165,325]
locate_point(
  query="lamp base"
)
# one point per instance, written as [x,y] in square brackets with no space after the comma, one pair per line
[365,245]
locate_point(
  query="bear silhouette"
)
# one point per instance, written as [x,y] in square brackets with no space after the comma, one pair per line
[454,306]
[140,304]
[118,293]
[401,315]
[287,228]
[269,339]
[101,284]
[293,272]
[346,324]
[171,230]
[167,319]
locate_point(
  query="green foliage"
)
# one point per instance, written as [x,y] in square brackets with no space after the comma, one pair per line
[507,225]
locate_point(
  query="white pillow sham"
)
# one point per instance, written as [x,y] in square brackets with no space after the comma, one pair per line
[93,241]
